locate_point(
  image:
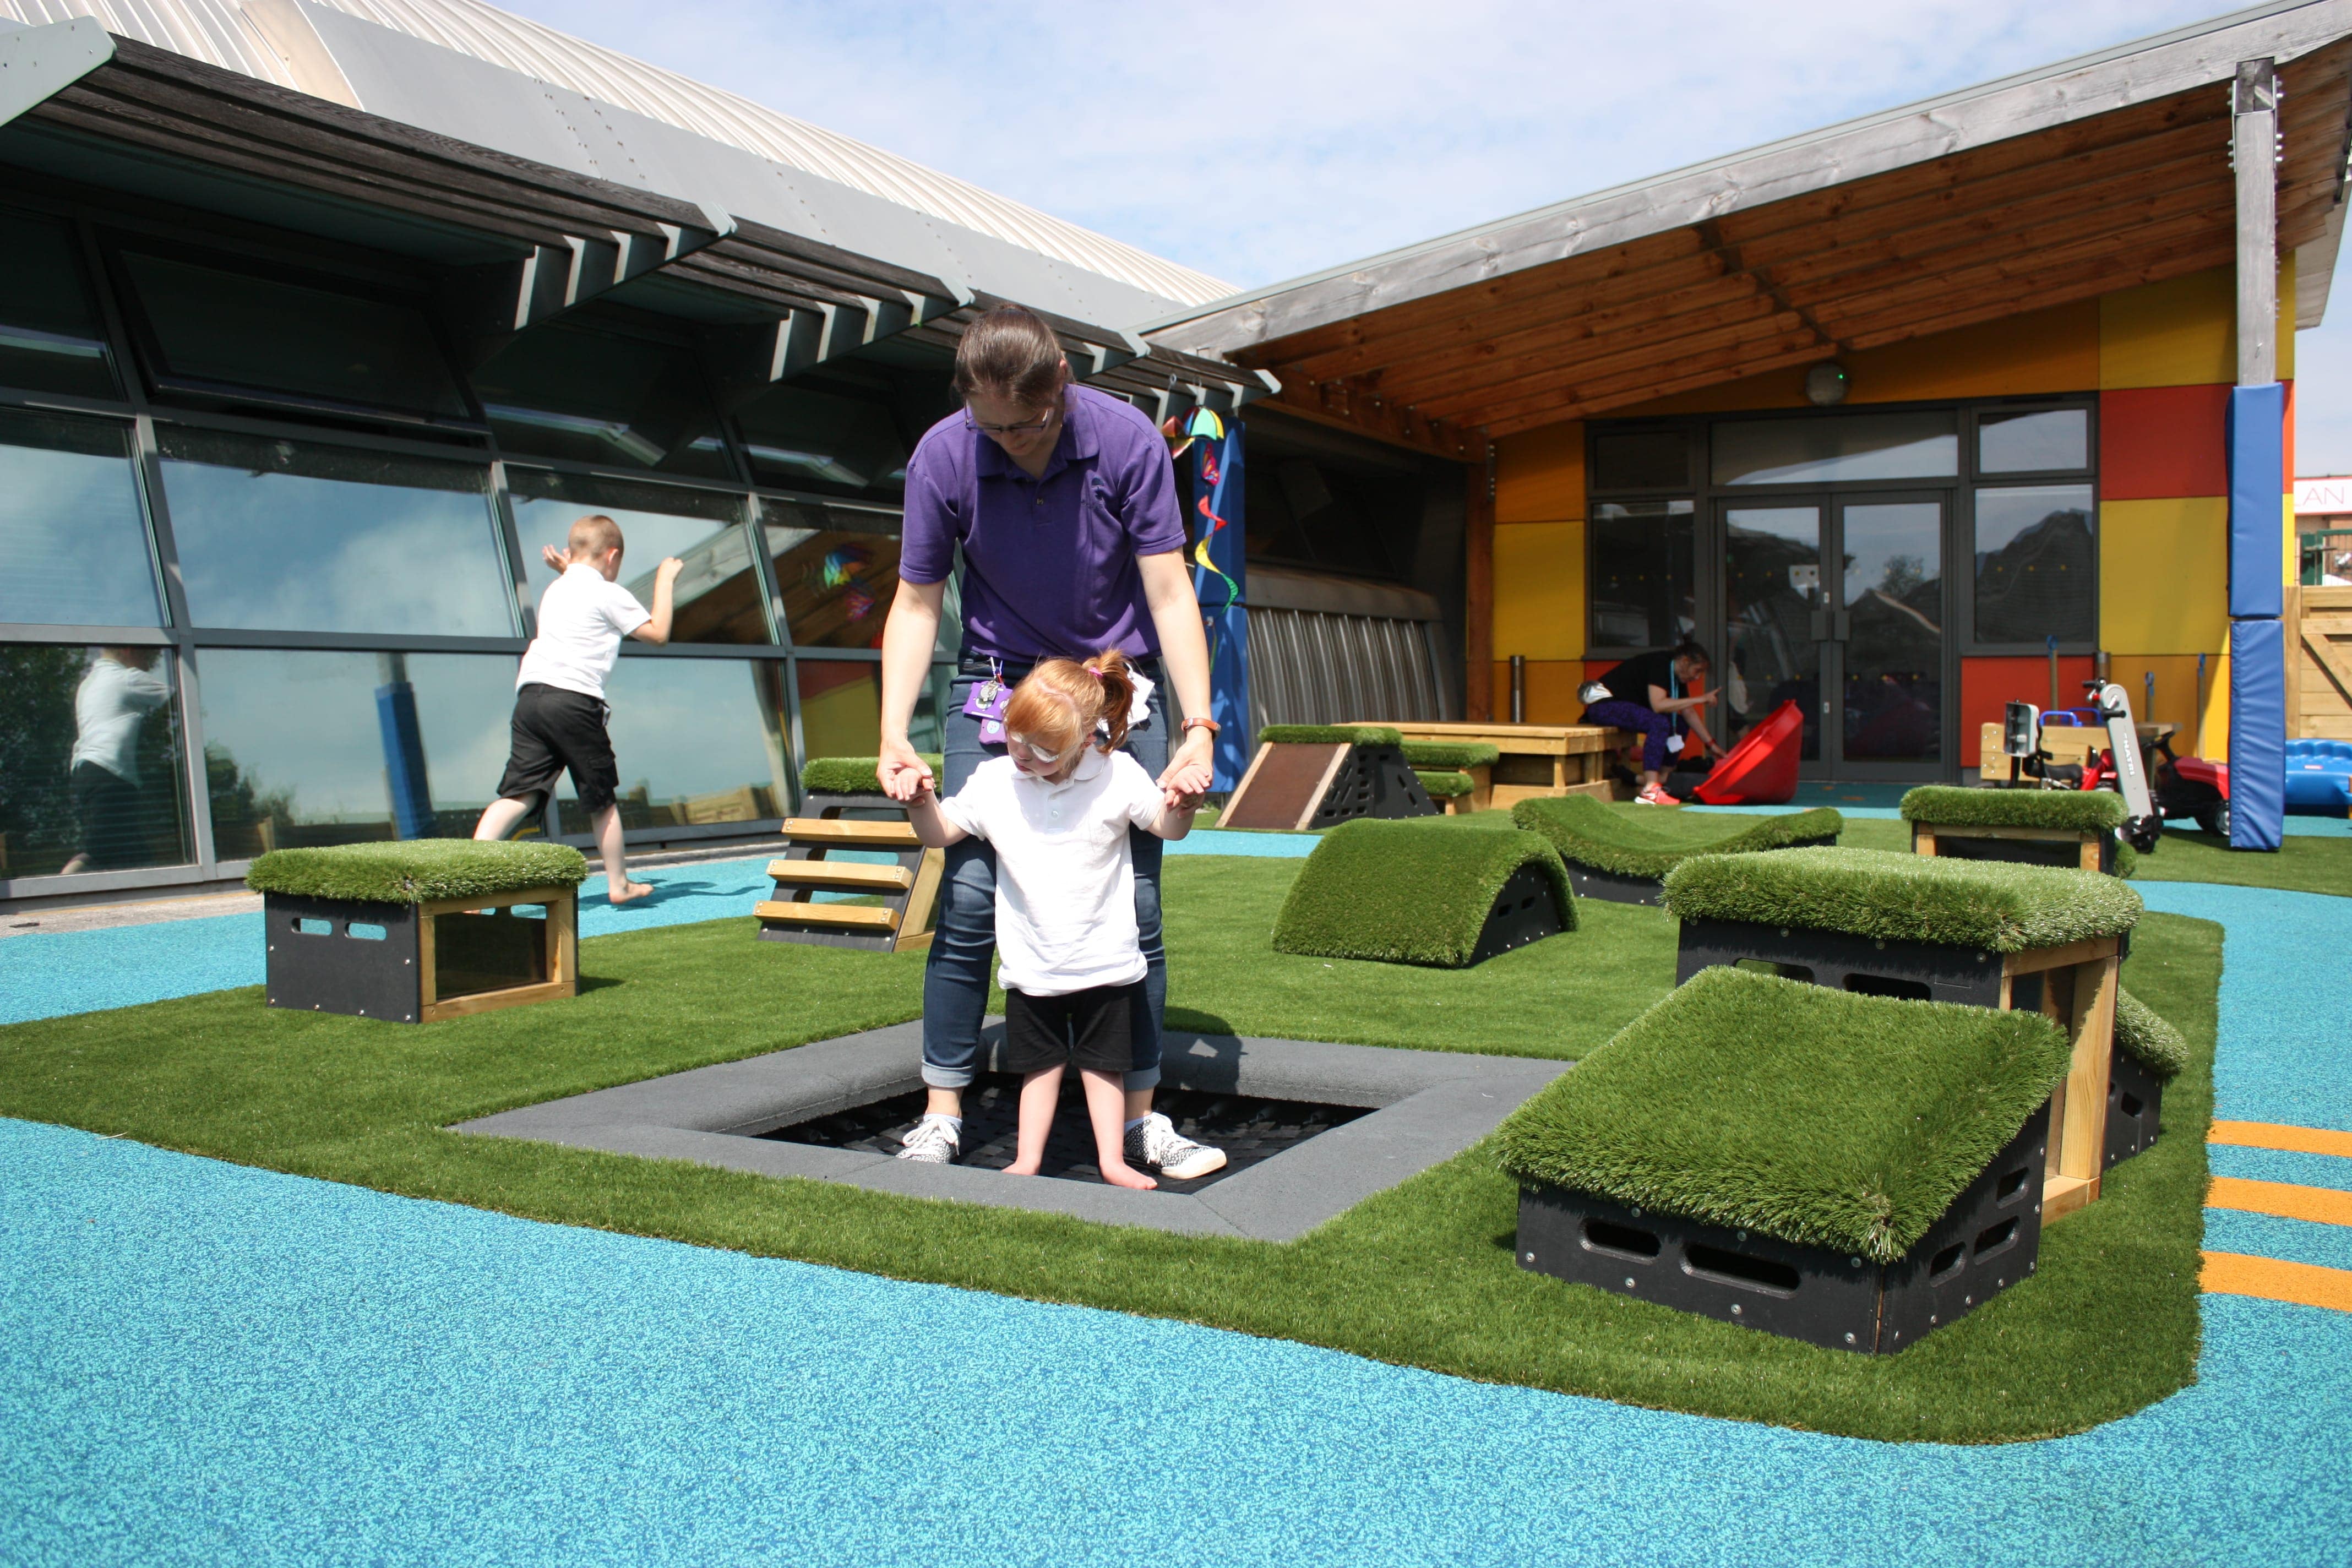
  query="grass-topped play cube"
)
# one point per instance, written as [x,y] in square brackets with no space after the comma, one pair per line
[1852,1171]
[1458,774]
[1624,859]
[1987,933]
[2149,1053]
[1313,776]
[1395,893]
[830,787]
[853,846]
[2073,827]
[420,930]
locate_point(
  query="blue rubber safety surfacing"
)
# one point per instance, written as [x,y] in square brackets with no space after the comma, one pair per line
[201,1363]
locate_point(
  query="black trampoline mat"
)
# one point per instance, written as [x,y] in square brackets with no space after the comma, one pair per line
[1248,1128]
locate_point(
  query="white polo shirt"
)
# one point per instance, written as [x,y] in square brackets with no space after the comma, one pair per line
[582,620]
[1064,878]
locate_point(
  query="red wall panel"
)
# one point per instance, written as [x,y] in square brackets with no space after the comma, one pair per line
[2156,442]
[1988,684]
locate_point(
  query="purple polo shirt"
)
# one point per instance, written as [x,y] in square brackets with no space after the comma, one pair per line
[1049,563]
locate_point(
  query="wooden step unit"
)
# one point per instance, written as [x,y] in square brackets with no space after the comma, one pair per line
[908,888]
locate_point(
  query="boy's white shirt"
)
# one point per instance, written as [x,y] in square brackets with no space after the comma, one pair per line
[1065,877]
[582,619]
[109,704]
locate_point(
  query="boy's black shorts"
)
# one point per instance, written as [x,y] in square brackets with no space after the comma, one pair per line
[1087,1029]
[555,729]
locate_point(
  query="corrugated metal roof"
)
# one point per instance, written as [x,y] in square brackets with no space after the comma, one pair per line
[220,33]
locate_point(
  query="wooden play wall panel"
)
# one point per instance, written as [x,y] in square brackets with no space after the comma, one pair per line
[2319,664]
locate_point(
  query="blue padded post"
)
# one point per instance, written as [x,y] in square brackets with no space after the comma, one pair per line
[2257,733]
[1221,581]
[403,761]
[2257,432]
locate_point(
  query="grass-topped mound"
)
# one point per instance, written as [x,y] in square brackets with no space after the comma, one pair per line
[1587,832]
[1820,1117]
[417,870]
[856,775]
[1443,785]
[2065,810]
[2142,1035]
[1446,756]
[1993,905]
[1331,735]
[1398,893]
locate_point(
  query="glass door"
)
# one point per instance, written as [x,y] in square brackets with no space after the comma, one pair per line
[1837,604]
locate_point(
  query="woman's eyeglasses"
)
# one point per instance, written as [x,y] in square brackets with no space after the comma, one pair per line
[1037,753]
[1030,427]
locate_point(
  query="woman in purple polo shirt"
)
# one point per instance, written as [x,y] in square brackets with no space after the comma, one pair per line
[1064,502]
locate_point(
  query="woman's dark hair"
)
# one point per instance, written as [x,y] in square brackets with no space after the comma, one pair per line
[1009,354]
[1695,650]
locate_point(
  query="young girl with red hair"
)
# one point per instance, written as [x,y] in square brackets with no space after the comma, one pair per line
[1056,808]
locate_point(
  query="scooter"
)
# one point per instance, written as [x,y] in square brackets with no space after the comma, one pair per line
[2121,767]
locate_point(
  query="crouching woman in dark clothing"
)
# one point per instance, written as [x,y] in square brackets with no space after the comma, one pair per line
[1647,694]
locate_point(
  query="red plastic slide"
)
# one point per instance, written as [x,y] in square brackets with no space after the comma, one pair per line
[1762,769]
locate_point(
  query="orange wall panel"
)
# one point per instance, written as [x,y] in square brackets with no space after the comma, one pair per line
[1540,475]
[1988,684]
[2159,442]
[1552,690]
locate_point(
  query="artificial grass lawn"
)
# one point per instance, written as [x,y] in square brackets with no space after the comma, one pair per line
[1816,1116]
[1587,832]
[1331,735]
[1994,905]
[1390,891]
[855,775]
[1450,754]
[1422,1274]
[417,870]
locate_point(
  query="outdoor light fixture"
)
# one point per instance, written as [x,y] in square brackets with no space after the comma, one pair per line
[1825,383]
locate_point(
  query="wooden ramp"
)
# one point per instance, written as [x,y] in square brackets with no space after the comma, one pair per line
[906,888]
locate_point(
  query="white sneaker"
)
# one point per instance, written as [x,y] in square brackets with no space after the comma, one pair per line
[1155,1141]
[931,1140]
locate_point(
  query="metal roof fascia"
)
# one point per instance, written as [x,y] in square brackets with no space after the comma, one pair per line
[38,63]
[1893,138]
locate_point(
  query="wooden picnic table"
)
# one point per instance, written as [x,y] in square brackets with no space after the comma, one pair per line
[1537,760]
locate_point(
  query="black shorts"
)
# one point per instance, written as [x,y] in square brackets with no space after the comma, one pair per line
[109,809]
[555,729]
[1087,1029]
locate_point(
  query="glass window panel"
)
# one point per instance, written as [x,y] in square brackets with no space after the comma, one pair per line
[796,436]
[1772,587]
[288,536]
[89,761]
[1847,448]
[2032,443]
[2035,547]
[71,532]
[298,745]
[1641,593]
[718,593]
[841,708]
[1893,586]
[242,328]
[590,397]
[837,570]
[697,741]
[1642,461]
[50,339]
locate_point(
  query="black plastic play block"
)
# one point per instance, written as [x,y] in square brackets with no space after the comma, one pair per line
[1374,782]
[1987,1241]
[2135,1107]
[1919,970]
[1306,778]
[1527,910]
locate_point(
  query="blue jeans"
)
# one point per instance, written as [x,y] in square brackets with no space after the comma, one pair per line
[964,941]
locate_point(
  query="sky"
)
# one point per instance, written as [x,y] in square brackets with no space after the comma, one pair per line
[1258,141]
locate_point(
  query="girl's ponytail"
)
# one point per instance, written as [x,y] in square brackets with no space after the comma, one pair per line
[1109,671]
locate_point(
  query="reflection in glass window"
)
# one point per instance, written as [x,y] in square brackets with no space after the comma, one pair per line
[2035,442]
[841,708]
[697,741]
[796,436]
[89,761]
[216,327]
[304,748]
[836,578]
[1642,594]
[1892,580]
[71,533]
[1772,587]
[2035,549]
[50,340]
[558,391]
[1642,461]
[288,536]
[717,594]
[1845,448]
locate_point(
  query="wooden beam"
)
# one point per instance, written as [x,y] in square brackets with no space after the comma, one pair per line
[2042,293]
[1337,405]
[1628,391]
[1533,356]
[1774,347]
[1479,605]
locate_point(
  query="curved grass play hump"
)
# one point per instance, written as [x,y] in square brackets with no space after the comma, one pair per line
[1820,1117]
[1996,906]
[1331,735]
[1446,756]
[1445,785]
[2065,810]
[855,775]
[1587,833]
[417,870]
[1398,893]
[2142,1035]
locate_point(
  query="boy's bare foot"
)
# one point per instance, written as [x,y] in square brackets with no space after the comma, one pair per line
[628,892]
[1023,1167]
[1123,1175]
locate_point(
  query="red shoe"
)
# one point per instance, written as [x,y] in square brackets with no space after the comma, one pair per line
[1655,794]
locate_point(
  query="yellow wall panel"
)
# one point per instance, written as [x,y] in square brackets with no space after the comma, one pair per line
[1552,690]
[2180,694]
[2183,332]
[1540,475]
[2164,576]
[1539,590]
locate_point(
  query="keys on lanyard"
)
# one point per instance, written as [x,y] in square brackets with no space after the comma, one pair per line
[986,702]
